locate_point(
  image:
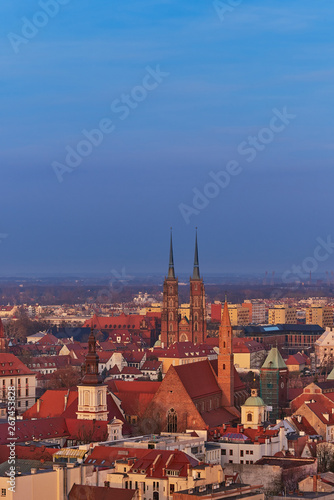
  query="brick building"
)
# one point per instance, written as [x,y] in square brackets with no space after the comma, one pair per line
[199,395]
[173,327]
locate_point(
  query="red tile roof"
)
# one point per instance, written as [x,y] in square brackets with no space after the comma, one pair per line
[198,379]
[151,365]
[164,460]
[84,492]
[107,455]
[31,452]
[243,345]
[11,365]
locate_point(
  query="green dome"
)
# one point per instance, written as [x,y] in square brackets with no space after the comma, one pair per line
[254,401]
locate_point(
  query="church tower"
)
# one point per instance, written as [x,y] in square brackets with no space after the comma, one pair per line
[92,393]
[197,321]
[3,340]
[225,359]
[170,306]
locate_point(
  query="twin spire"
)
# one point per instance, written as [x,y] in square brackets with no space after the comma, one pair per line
[171,271]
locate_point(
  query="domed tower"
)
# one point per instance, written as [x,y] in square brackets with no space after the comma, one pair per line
[92,393]
[253,411]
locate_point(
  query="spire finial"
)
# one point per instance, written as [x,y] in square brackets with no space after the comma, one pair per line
[171,272]
[225,296]
[196,275]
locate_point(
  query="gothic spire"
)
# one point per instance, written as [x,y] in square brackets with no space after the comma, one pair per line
[196,275]
[171,272]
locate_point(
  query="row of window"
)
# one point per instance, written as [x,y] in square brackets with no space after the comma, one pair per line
[12,381]
[248,452]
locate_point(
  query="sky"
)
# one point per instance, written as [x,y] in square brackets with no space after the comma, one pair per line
[121,119]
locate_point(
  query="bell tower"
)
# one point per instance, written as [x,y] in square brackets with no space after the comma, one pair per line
[170,306]
[92,393]
[225,359]
[197,303]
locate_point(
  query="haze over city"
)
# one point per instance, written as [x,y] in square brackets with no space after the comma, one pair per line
[220,78]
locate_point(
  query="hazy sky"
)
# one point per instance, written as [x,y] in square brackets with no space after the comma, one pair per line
[203,82]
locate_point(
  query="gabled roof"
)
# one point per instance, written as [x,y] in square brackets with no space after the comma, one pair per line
[153,365]
[274,360]
[198,379]
[164,460]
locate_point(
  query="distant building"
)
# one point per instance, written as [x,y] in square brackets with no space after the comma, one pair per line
[320,315]
[282,314]
[257,311]
[174,327]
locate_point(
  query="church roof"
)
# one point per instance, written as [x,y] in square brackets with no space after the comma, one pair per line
[198,379]
[274,360]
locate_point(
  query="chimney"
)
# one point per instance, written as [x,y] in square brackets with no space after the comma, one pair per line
[315,481]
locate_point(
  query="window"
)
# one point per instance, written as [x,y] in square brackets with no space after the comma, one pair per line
[249,417]
[26,403]
[241,453]
[3,492]
[171,421]
[223,452]
[27,391]
[231,452]
[251,452]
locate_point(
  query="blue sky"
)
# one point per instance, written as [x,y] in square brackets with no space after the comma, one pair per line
[225,78]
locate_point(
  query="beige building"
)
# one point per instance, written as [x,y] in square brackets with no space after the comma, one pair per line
[318,315]
[40,483]
[144,475]
[239,315]
[281,314]
[324,347]
[14,373]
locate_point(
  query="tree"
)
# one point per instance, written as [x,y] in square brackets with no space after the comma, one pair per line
[325,457]
[64,378]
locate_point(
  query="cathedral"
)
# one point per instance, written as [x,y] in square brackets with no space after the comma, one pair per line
[173,327]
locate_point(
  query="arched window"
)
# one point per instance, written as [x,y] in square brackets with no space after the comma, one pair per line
[171,316]
[196,317]
[171,302]
[224,344]
[196,327]
[86,398]
[170,328]
[249,417]
[171,421]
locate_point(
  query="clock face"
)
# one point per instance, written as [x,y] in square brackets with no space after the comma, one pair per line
[282,385]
